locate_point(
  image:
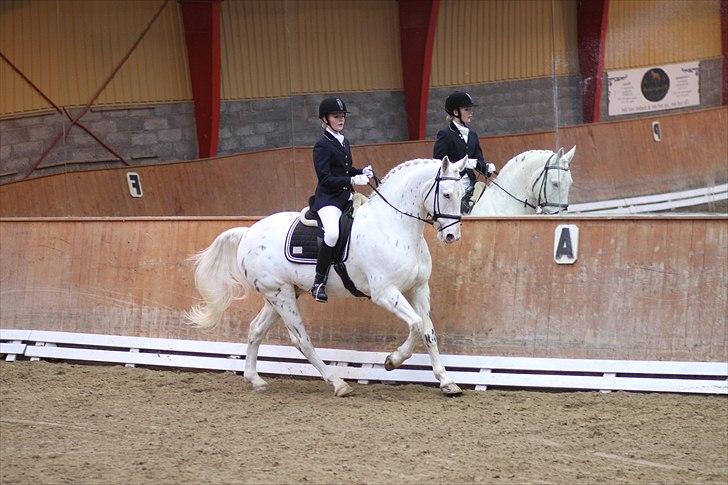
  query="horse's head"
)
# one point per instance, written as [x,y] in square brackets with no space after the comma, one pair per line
[550,184]
[442,199]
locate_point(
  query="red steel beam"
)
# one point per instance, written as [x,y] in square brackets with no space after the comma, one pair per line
[202,35]
[417,25]
[591,25]
[724,42]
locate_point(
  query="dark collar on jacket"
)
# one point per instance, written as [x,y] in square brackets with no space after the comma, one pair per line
[333,140]
[457,132]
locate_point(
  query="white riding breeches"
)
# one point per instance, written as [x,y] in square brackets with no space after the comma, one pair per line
[330,216]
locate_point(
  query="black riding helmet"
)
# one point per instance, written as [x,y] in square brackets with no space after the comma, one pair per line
[331,105]
[458,100]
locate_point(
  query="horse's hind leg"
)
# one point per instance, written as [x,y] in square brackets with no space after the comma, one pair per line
[258,328]
[284,302]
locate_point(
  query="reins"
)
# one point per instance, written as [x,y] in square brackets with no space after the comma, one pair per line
[543,176]
[437,215]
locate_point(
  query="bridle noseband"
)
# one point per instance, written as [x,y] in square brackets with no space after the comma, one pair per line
[436,205]
[542,177]
[542,190]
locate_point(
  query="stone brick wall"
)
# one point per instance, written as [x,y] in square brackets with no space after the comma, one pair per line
[376,117]
[164,133]
[513,106]
[141,135]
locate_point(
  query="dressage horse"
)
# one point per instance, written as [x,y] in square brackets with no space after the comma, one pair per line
[388,259]
[536,181]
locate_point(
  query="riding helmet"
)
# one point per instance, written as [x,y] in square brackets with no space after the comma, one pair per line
[457,100]
[331,105]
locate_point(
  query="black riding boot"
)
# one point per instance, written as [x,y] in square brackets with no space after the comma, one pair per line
[323,264]
[466,205]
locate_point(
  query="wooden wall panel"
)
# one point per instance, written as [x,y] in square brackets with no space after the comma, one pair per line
[69,48]
[643,288]
[616,159]
[652,32]
[479,42]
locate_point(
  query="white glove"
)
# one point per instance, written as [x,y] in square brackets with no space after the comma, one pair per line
[489,169]
[471,163]
[359,180]
[368,171]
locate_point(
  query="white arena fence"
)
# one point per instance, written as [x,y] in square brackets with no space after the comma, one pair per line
[365,367]
[653,203]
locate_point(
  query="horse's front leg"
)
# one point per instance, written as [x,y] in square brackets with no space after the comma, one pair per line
[419,321]
[420,297]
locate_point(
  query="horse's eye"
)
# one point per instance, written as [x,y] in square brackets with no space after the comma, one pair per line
[447,196]
[555,183]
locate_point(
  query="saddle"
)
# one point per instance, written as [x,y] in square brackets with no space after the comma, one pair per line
[305,235]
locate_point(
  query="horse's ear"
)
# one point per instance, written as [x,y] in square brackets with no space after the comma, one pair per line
[445,163]
[570,155]
[461,164]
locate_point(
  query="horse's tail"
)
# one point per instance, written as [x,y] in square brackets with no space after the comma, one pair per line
[218,278]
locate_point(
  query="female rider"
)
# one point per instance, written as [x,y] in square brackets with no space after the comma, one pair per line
[336,178]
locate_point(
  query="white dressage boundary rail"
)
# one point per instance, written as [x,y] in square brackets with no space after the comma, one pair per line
[480,371]
[653,203]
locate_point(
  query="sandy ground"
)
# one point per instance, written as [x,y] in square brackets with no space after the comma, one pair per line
[62,423]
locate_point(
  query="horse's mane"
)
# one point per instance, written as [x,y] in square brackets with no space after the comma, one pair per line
[407,164]
[519,159]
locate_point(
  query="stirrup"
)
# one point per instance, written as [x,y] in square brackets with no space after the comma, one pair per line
[318,292]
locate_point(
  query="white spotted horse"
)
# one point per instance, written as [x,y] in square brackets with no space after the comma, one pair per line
[535,181]
[388,259]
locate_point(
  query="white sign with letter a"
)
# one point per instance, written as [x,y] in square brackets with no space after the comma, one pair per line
[566,243]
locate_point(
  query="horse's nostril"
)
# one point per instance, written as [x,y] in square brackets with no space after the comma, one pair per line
[449,238]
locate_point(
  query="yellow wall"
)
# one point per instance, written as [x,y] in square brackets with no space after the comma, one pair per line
[645,33]
[278,47]
[69,47]
[484,41]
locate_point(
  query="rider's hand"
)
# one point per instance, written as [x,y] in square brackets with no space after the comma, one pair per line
[368,171]
[489,169]
[359,180]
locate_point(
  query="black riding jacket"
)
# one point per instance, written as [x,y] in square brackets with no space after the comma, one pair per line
[333,163]
[450,142]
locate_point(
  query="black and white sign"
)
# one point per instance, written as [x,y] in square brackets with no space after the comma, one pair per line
[654,88]
[566,243]
[135,184]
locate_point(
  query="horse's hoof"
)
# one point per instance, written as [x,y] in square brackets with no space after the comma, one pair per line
[451,390]
[388,364]
[260,388]
[344,390]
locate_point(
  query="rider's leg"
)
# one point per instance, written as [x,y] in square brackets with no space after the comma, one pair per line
[329,216]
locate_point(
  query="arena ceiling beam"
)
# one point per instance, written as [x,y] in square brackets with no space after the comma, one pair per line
[592,16]
[202,35]
[417,24]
